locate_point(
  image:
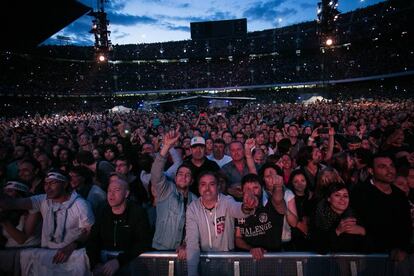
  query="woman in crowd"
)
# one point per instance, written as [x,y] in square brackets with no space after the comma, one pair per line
[286,164]
[304,208]
[335,227]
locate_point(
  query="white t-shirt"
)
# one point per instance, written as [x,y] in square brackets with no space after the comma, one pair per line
[287,231]
[223,161]
[64,222]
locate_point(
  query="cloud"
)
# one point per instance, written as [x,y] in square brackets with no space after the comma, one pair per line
[129,20]
[307,6]
[218,15]
[78,31]
[115,5]
[183,5]
[267,11]
[173,27]
[221,16]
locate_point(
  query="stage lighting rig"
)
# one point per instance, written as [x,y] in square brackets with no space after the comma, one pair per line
[100,23]
[327,15]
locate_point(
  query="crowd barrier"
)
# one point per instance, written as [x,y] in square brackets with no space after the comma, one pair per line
[285,264]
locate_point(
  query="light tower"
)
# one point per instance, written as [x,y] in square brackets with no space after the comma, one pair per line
[327,16]
[326,30]
[100,23]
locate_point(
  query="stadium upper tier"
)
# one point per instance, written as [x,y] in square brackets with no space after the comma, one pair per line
[373,41]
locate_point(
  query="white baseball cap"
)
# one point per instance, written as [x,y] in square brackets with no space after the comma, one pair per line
[198,141]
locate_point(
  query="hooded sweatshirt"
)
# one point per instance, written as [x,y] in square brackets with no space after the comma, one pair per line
[210,230]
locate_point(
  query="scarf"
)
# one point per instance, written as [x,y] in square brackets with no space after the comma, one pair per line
[57,222]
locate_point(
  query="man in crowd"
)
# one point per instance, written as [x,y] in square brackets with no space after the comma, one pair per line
[296,143]
[67,220]
[218,155]
[121,232]
[20,152]
[198,162]
[30,174]
[210,220]
[137,191]
[171,200]
[384,211]
[236,169]
[102,169]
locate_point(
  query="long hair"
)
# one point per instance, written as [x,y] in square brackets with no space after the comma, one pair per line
[290,182]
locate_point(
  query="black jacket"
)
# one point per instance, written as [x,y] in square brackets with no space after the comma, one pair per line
[129,232]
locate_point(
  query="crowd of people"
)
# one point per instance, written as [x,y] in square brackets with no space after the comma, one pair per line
[98,189]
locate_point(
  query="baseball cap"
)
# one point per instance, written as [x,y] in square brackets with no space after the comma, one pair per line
[198,141]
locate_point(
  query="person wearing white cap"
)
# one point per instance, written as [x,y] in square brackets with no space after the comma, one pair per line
[67,220]
[198,162]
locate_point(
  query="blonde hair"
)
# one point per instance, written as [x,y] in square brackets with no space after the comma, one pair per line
[326,177]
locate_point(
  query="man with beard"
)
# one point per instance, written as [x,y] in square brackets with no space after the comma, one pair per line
[67,220]
[218,155]
[262,231]
[384,210]
[198,162]
[210,220]
[172,200]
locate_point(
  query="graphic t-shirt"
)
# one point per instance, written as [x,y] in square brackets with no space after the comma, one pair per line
[263,229]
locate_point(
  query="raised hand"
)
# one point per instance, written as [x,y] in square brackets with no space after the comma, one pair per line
[171,137]
[249,146]
[250,201]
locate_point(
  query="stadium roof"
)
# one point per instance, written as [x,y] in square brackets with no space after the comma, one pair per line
[26,24]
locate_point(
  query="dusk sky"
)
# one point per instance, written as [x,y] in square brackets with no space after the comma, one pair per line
[146,21]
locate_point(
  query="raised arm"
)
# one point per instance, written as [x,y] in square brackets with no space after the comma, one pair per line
[11,204]
[331,144]
[158,178]
[248,147]
[276,190]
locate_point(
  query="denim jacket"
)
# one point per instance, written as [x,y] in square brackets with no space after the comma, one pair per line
[170,221]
